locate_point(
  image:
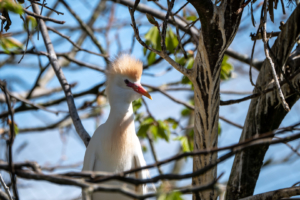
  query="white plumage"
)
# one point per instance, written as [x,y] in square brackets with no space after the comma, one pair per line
[114,146]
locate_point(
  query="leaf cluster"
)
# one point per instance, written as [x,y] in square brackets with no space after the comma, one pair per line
[153,39]
[7,6]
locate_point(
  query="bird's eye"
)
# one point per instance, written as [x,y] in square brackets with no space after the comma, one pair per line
[126,81]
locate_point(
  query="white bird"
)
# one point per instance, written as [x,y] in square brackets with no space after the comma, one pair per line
[114,146]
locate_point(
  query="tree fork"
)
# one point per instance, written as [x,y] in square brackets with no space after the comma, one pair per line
[219,25]
[265,113]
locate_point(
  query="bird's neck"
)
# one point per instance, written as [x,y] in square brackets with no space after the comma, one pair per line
[121,114]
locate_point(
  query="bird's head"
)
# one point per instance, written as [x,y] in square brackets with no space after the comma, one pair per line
[123,79]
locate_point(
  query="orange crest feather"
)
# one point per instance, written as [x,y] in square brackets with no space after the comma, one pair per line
[126,65]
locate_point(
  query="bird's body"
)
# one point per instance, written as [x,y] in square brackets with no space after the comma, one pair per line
[114,146]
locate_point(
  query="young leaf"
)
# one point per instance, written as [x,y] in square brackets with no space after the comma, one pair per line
[171,41]
[226,69]
[219,129]
[10,44]
[153,37]
[186,112]
[184,143]
[163,130]
[142,132]
[172,121]
[172,196]
[151,19]
[145,125]
[10,5]
[31,21]
[137,104]
[190,63]
[192,18]
[151,58]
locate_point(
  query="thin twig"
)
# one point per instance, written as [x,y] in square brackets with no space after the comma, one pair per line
[164,55]
[150,138]
[165,25]
[87,29]
[181,8]
[28,36]
[34,105]
[264,28]
[43,17]
[178,36]
[290,146]
[44,5]
[11,139]
[230,122]
[5,187]
[73,43]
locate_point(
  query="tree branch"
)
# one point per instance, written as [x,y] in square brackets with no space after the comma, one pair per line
[66,87]
[276,194]
[264,114]
[43,17]
[8,195]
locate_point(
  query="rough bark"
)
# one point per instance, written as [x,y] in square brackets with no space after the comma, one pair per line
[276,194]
[265,113]
[219,25]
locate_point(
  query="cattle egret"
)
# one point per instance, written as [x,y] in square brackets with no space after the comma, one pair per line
[114,146]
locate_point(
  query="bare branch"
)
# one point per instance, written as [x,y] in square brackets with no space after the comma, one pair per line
[66,87]
[34,105]
[230,122]
[10,142]
[87,29]
[243,58]
[43,17]
[73,43]
[276,194]
[5,188]
[264,28]
[44,5]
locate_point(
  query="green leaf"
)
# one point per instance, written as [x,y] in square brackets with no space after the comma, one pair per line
[184,143]
[144,127]
[151,19]
[163,130]
[226,69]
[153,37]
[144,148]
[219,129]
[31,22]
[192,18]
[172,196]
[186,112]
[148,120]
[185,80]
[10,44]
[11,6]
[142,132]
[151,58]
[171,41]
[16,129]
[172,121]
[154,131]
[190,63]
[160,130]
[137,104]
[181,61]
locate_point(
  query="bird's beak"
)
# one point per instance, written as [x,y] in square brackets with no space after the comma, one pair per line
[139,89]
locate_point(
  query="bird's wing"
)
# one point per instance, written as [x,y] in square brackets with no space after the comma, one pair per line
[89,160]
[139,161]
